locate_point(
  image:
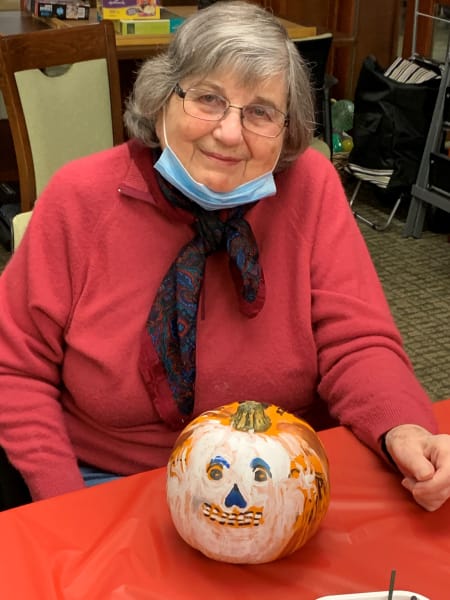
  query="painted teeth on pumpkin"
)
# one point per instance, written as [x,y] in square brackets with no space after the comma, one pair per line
[250,518]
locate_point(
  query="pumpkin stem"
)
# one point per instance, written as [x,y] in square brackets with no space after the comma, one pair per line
[250,416]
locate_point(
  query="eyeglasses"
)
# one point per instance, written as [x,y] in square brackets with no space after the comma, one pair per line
[258,118]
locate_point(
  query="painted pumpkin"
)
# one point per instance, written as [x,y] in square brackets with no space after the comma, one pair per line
[247,483]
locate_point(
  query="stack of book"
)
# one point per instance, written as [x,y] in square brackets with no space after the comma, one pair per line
[144,17]
[408,70]
[73,10]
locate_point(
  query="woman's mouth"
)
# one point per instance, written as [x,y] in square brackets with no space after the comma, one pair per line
[230,160]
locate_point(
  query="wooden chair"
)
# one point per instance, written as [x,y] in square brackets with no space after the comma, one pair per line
[62,94]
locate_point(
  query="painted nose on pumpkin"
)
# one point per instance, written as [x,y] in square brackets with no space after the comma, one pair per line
[235,498]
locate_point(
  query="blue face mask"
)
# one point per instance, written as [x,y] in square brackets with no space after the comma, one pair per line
[170,167]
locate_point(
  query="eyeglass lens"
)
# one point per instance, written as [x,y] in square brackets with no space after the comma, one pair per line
[258,118]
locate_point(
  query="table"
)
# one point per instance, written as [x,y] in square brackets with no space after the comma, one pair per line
[116,542]
[141,45]
[15,21]
[128,46]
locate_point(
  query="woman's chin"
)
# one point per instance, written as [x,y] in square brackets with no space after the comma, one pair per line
[220,187]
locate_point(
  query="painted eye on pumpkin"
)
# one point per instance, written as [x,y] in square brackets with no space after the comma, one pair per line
[261,470]
[215,472]
[215,468]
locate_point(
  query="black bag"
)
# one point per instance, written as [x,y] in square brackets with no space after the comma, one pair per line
[7,213]
[13,490]
[391,122]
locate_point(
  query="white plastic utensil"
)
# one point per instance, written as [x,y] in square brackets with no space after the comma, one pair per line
[396,595]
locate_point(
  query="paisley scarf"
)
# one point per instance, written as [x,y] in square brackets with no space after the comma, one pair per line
[172,321]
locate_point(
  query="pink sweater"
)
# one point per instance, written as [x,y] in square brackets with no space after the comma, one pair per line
[75,297]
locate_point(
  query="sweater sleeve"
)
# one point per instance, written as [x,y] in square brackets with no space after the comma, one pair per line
[367,379]
[38,290]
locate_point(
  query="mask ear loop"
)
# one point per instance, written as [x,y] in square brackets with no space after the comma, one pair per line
[277,159]
[164,126]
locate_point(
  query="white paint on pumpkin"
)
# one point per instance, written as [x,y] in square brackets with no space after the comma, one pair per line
[262,524]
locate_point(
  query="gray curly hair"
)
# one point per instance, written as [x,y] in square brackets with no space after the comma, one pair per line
[230,34]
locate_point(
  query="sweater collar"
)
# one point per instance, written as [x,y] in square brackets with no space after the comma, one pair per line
[140,182]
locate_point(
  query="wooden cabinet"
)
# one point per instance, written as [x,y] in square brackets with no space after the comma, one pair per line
[359,27]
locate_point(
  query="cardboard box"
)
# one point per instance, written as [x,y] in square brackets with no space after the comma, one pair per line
[168,23]
[142,27]
[175,20]
[133,10]
[61,10]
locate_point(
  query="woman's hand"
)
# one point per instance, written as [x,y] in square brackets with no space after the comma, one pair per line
[424,460]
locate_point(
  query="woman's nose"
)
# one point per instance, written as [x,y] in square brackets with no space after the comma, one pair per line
[229,128]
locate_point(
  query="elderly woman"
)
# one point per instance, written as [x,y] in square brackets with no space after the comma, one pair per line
[212,258]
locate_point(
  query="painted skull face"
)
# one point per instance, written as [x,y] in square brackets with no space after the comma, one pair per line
[244,496]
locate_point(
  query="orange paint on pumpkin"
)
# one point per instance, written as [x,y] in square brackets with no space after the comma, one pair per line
[256,468]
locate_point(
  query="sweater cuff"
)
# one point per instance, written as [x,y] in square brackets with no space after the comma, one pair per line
[45,486]
[385,451]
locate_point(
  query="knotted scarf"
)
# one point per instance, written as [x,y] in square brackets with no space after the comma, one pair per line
[172,322]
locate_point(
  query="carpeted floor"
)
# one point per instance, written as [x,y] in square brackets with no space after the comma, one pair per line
[415,274]
[416,278]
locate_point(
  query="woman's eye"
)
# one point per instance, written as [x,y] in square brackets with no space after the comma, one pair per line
[210,100]
[259,112]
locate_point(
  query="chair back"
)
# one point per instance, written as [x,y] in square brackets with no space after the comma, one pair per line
[315,51]
[62,95]
[19,224]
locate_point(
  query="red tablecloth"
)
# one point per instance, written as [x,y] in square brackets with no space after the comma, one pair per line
[116,541]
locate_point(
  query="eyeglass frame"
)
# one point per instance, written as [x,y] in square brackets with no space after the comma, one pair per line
[181,93]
